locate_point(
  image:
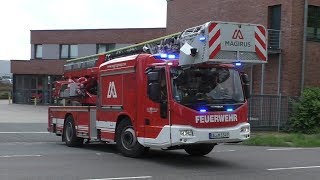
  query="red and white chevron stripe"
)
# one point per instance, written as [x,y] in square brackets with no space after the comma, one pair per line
[214,39]
[260,42]
[214,30]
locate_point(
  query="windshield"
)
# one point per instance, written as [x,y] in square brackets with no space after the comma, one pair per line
[210,85]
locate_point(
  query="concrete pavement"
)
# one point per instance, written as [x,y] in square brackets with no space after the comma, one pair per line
[24,123]
[21,113]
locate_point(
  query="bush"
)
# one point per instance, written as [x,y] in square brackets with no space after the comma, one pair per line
[4,95]
[306,113]
[5,87]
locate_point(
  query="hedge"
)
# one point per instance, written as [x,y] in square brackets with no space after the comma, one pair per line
[306,112]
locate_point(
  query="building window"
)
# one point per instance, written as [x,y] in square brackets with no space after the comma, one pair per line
[73,51]
[274,26]
[38,51]
[105,47]
[68,51]
[274,17]
[313,28]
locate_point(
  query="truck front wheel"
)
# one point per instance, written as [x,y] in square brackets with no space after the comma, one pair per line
[70,135]
[126,139]
[199,149]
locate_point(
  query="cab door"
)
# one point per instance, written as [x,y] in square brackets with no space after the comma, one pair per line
[156,117]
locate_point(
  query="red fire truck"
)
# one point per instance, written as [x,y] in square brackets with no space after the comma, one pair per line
[182,91]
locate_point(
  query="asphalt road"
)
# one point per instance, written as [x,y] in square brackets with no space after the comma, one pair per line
[53,160]
[27,152]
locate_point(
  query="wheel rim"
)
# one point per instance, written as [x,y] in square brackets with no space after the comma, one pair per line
[69,131]
[128,138]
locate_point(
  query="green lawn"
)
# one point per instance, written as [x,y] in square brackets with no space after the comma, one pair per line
[283,140]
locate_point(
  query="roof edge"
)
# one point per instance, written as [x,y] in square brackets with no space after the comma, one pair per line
[102,29]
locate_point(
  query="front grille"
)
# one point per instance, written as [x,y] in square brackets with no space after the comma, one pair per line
[214,108]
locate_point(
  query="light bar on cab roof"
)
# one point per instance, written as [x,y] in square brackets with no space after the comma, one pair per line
[165,56]
[238,63]
[171,56]
[202,38]
[203,110]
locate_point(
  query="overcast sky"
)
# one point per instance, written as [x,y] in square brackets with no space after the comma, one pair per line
[18,17]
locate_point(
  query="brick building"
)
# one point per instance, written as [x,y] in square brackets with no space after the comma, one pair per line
[51,48]
[285,21]
[291,66]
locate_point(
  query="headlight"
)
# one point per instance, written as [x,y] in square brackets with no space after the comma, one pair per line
[187,132]
[245,129]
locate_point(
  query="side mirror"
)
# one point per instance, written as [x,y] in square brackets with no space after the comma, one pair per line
[246,85]
[247,91]
[245,78]
[154,91]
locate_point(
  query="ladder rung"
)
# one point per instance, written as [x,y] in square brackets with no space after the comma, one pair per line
[89,61]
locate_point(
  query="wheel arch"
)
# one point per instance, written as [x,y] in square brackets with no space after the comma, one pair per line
[122,117]
[66,116]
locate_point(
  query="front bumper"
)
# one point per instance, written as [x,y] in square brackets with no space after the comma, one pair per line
[200,135]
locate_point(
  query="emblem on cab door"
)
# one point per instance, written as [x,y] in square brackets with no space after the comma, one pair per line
[112,93]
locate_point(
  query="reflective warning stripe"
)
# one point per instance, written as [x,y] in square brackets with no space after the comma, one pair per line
[106,126]
[260,45]
[214,39]
[83,128]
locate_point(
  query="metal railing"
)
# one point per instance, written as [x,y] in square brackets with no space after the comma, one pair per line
[274,38]
[270,112]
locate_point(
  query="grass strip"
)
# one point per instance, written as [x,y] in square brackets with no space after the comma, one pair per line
[283,140]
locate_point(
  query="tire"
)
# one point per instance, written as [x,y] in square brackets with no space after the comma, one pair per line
[199,149]
[70,134]
[126,140]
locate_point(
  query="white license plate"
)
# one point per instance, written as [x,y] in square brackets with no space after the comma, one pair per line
[219,135]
